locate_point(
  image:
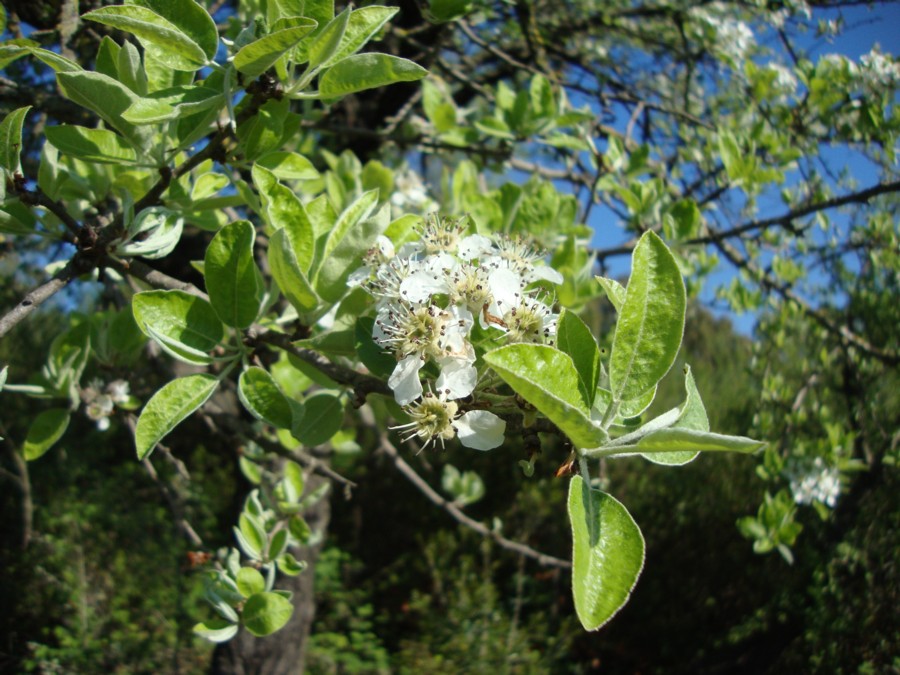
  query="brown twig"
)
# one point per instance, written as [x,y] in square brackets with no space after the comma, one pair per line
[41,294]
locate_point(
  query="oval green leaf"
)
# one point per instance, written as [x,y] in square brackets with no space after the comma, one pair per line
[548,380]
[250,581]
[47,428]
[232,279]
[575,339]
[257,57]
[168,407]
[262,397]
[91,145]
[265,613]
[216,630]
[11,138]
[367,71]
[161,39]
[607,554]
[185,325]
[322,418]
[651,321]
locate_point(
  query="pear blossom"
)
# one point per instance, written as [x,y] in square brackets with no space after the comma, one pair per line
[428,295]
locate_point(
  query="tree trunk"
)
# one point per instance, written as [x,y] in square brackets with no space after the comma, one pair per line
[284,652]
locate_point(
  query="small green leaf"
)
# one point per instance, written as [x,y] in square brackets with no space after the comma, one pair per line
[216,630]
[232,279]
[168,407]
[184,325]
[607,554]
[257,57]
[346,256]
[328,40]
[190,18]
[261,396]
[277,545]
[691,416]
[367,71]
[379,362]
[288,166]
[59,64]
[11,139]
[288,273]
[674,440]
[45,430]
[104,96]
[293,481]
[615,292]
[162,40]
[575,339]
[548,380]
[283,209]
[172,103]
[289,565]
[442,11]
[651,321]
[250,581]
[299,529]
[363,24]
[323,417]
[91,145]
[265,613]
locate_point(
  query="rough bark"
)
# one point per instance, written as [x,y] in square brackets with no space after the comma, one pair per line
[284,652]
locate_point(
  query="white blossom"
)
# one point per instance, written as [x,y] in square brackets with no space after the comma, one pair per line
[815,482]
[480,430]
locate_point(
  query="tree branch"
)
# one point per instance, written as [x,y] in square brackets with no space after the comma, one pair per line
[413,477]
[41,294]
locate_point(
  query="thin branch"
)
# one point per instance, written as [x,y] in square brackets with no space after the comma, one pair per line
[413,477]
[41,294]
[361,383]
[155,278]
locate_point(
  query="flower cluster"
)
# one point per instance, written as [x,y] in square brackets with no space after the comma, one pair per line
[100,401]
[434,296]
[815,482]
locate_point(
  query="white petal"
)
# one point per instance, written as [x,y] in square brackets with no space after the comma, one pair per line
[506,287]
[405,380]
[457,379]
[441,263]
[480,429]
[474,246]
[545,273]
[359,275]
[420,286]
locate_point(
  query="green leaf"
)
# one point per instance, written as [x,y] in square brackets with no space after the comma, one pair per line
[367,71]
[104,96]
[184,325]
[232,279]
[346,256]
[607,554]
[216,630]
[691,416]
[442,11]
[263,131]
[130,69]
[257,57]
[289,565]
[91,145]
[294,481]
[263,398]
[265,613]
[651,321]
[323,417]
[168,407]
[328,40]
[575,339]
[190,18]
[162,40]
[615,292]
[283,209]
[250,581]
[363,24]
[251,535]
[47,428]
[173,103]
[548,380]
[11,139]
[59,64]
[675,440]
[288,166]
[379,362]
[288,273]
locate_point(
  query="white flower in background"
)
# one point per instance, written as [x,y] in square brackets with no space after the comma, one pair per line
[785,83]
[815,482]
[100,401]
[428,295]
[411,193]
